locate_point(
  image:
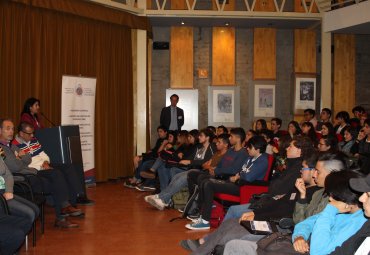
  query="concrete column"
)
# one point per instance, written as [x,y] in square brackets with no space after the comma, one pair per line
[140,89]
[326,70]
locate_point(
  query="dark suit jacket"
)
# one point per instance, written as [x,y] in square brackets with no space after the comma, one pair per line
[166,117]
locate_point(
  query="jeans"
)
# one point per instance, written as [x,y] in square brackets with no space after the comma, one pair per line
[143,165]
[178,182]
[165,175]
[157,164]
[241,247]
[20,207]
[13,231]
[236,211]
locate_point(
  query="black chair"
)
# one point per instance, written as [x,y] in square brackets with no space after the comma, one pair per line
[22,187]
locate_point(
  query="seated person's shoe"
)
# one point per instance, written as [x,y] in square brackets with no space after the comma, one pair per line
[157,203]
[143,187]
[200,224]
[148,174]
[64,223]
[189,244]
[131,184]
[71,211]
[84,201]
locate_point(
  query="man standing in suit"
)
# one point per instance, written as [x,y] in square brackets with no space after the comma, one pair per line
[172,117]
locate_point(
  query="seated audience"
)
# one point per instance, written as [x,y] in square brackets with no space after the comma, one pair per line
[49,181]
[275,128]
[363,143]
[221,130]
[280,156]
[171,154]
[325,117]
[358,112]
[310,116]
[30,113]
[229,165]
[350,135]
[18,206]
[342,120]
[328,144]
[202,154]
[359,243]
[327,129]
[341,218]
[260,124]
[294,129]
[309,131]
[254,168]
[230,228]
[269,136]
[28,144]
[179,181]
[146,160]
[321,233]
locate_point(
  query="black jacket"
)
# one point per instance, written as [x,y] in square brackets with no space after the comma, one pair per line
[166,117]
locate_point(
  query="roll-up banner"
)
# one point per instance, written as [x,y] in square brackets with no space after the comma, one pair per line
[78,108]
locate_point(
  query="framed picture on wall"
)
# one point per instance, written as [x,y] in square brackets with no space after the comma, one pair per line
[224,106]
[264,100]
[304,93]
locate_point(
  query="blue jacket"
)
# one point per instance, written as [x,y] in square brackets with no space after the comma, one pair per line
[329,229]
[254,169]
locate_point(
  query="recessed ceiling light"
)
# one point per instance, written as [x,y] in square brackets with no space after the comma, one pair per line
[227,23]
[182,23]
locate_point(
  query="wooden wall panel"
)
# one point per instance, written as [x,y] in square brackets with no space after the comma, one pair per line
[298,6]
[181,51]
[265,6]
[149,4]
[304,51]
[344,72]
[223,56]
[178,5]
[264,54]
[229,6]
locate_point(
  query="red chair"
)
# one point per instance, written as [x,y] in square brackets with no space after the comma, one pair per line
[248,190]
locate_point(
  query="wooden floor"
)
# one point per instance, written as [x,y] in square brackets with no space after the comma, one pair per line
[121,222]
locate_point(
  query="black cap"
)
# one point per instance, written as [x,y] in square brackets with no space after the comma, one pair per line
[360,184]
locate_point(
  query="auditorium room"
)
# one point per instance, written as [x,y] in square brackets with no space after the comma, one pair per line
[170,127]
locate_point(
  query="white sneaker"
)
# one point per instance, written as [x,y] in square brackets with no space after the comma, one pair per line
[146,198]
[157,203]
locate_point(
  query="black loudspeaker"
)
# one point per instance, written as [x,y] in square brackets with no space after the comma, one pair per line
[161,45]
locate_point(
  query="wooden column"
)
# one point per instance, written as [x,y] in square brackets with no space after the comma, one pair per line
[223,56]
[344,72]
[181,51]
[304,51]
[264,54]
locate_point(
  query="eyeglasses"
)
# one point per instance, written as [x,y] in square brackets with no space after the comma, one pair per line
[28,133]
[307,168]
[322,144]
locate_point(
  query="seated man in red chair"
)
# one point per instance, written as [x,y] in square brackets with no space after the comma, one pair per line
[254,168]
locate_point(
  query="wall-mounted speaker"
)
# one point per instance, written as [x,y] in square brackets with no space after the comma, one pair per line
[161,45]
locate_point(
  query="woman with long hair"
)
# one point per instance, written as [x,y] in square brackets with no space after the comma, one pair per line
[30,113]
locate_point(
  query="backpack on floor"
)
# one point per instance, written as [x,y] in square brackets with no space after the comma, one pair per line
[217,214]
[191,205]
[180,198]
[276,244]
